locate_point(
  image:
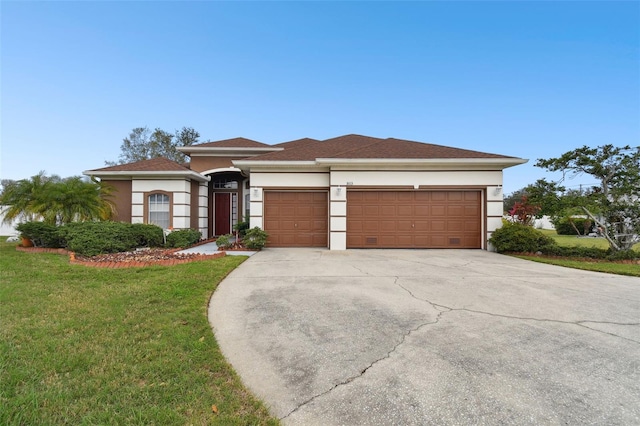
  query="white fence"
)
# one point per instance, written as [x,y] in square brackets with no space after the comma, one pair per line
[7,229]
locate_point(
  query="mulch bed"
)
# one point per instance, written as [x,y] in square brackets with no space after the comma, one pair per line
[138,258]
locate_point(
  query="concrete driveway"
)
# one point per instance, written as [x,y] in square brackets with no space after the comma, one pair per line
[407,337]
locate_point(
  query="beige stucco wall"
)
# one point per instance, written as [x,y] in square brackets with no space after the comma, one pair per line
[180,191]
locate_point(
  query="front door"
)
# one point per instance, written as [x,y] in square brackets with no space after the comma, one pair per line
[222,213]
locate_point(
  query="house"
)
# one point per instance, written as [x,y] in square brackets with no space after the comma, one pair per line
[351,191]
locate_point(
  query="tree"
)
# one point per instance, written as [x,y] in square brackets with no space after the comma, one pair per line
[618,195]
[142,144]
[56,200]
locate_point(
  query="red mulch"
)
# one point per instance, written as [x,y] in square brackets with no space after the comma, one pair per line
[138,258]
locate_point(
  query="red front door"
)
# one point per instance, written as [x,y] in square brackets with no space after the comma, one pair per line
[222,213]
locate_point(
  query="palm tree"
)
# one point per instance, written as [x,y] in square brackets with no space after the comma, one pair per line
[57,201]
[22,197]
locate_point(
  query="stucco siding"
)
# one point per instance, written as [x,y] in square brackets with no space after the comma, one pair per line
[293,180]
[122,199]
[416,178]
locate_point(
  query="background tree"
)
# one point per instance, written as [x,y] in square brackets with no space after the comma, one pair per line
[56,200]
[142,144]
[617,197]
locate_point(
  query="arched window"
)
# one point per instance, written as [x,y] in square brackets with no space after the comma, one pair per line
[159,210]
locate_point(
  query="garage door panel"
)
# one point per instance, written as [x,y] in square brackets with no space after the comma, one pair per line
[455,211]
[404,210]
[370,226]
[371,210]
[438,225]
[472,196]
[438,210]
[413,219]
[389,211]
[296,219]
[404,226]
[438,196]
[455,196]
[421,226]
[421,210]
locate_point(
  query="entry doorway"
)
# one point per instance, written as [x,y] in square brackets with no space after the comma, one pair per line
[222,213]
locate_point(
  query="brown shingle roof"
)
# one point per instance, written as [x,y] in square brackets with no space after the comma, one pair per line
[358,146]
[322,149]
[159,164]
[233,143]
[399,148]
[296,143]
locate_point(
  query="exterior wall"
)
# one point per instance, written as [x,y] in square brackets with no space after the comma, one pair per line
[280,180]
[179,191]
[494,211]
[202,164]
[196,213]
[121,199]
[203,208]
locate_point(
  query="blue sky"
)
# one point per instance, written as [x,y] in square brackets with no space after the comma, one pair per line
[527,79]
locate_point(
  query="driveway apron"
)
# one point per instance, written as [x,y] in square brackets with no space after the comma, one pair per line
[408,337]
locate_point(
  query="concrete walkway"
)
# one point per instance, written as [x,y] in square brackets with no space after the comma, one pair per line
[410,337]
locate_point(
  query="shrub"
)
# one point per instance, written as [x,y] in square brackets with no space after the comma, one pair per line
[516,237]
[183,238]
[41,234]
[147,235]
[255,238]
[241,227]
[591,253]
[224,241]
[92,238]
[564,225]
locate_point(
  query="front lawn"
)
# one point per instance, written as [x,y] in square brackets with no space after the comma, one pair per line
[575,241]
[84,345]
[597,266]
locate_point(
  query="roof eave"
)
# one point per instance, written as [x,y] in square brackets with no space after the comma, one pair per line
[123,174]
[465,163]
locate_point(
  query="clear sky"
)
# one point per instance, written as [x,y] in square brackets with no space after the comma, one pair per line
[526,79]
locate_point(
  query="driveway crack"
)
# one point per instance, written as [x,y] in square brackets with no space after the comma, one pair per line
[367,368]
[579,323]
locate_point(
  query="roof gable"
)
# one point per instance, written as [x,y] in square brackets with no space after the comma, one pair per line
[159,164]
[232,143]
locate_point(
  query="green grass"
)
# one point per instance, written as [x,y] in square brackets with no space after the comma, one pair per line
[91,346]
[608,267]
[575,241]
[600,266]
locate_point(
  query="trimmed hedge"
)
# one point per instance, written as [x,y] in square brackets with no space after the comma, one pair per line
[93,238]
[516,237]
[183,238]
[591,253]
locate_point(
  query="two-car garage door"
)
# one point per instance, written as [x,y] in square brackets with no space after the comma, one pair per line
[413,219]
[377,219]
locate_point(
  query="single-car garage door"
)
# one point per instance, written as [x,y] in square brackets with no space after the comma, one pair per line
[413,219]
[296,219]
